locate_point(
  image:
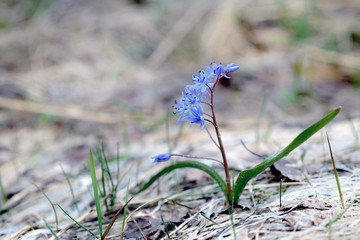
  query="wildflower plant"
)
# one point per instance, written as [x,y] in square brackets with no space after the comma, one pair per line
[190,107]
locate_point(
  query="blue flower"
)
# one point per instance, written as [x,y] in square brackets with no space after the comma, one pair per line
[196,116]
[216,70]
[221,71]
[192,97]
[202,82]
[180,108]
[189,103]
[161,157]
[187,99]
[231,68]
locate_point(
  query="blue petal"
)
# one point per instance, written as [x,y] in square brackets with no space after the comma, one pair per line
[195,115]
[231,68]
[161,157]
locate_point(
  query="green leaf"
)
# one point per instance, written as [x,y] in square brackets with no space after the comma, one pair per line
[96,192]
[245,176]
[50,229]
[51,204]
[79,224]
[188,164]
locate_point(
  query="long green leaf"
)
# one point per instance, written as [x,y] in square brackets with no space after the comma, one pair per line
[245,176]
[51,204]
[50,229]
[79,224]
[71,189]
[96,192]
[188,164]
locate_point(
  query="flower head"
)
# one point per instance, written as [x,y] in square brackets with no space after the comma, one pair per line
[188,106]
[188,98]
[231,68]
[216,70]
[161,157]
[202,82]
[180,107]
[221,71]
[196,116]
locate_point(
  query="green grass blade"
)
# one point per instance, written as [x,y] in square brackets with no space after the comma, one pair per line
[96,192]
[3,192]
[4,197]
[125,210]
[335,172]
[331,222]
[106,166]
[52,231]
[109,179]
[188,164]
[231,215]
[71,189]
[245,176]
[51,204]
[117,161]
[165,227]
[79,224]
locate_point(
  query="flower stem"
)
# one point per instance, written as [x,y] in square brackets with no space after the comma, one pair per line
[221,145]
[212,139]
[196,157]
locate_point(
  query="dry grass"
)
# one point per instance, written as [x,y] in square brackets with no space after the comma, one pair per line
[77,72]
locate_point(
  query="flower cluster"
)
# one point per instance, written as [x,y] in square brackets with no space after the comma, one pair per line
[189,105]
[193,95]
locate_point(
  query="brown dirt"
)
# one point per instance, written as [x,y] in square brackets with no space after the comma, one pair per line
[74,74]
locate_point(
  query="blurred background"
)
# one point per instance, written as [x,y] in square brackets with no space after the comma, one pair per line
[73,73]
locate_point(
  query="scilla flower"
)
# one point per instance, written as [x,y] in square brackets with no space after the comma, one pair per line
[219,71]
[196,116]
[202,82]
[189,106]
[161,157]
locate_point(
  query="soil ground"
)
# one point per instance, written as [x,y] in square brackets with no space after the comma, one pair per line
[75,75]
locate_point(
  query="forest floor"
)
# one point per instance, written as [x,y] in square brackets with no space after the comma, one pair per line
[78,75]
